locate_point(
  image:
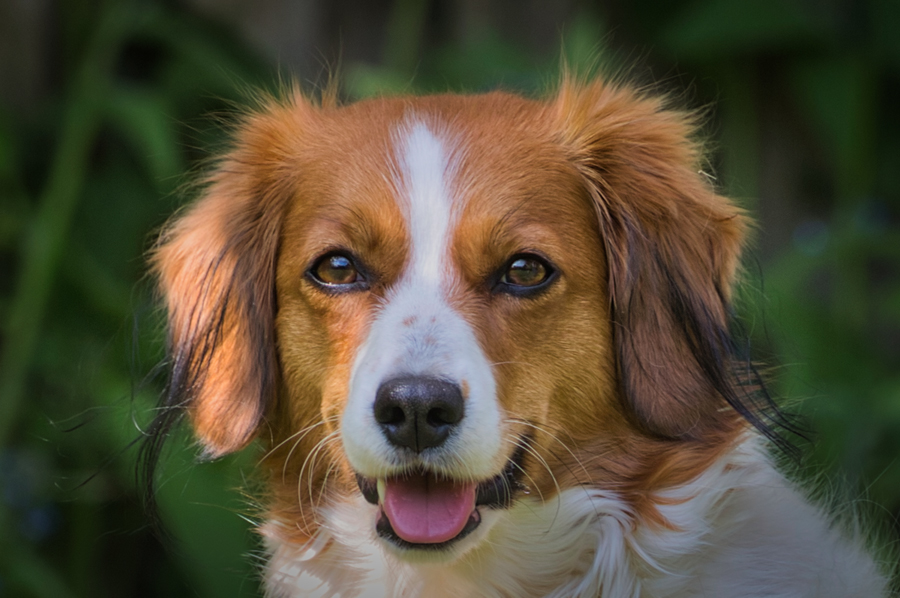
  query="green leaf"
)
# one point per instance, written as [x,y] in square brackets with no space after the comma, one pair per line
[838,96]
[142,118]
[8,151]
[14,207]
[216,64]
[202,508]
[367,81]
[716,29]
[886,25]
[201,504]
[481,64]
[582,45]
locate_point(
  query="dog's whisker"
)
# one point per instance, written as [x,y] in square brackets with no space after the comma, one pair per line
[310,457]
[526,446]
[298,438]
[291,452]
[302,431]
[320,447]
[544,430]
[332,466]
[519,443]
[309,462]
[578,461]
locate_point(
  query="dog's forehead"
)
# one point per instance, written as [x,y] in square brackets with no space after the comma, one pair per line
[488,166]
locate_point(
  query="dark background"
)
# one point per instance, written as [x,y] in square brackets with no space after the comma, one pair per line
[107,107]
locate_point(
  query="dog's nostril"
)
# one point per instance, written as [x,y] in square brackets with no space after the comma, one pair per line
[418,413]
[389,414]
[442,416]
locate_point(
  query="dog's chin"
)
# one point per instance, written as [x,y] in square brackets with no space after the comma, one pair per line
[426,516]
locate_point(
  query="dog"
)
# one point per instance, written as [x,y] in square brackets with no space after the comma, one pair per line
[485,342]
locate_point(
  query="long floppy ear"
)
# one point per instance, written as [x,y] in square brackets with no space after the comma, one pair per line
[672,247]
[216,270]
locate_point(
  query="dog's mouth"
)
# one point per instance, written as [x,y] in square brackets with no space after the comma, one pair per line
[425,510]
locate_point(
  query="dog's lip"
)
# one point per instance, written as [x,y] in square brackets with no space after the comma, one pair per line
[497,492]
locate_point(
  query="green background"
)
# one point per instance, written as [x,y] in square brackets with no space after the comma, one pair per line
[109,109]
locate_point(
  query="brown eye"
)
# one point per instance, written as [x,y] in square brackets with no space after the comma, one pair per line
[525,274]
[337,272]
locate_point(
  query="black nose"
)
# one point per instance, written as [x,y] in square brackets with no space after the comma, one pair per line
[418,413]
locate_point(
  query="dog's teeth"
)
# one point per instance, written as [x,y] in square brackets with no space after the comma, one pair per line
[380,485]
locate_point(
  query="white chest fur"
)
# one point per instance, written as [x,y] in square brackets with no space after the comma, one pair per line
[738,530]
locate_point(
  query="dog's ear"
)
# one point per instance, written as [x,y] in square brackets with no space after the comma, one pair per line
[672,247]
[216,269]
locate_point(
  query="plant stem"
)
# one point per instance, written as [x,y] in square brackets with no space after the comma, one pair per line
[406,27]
[46,237]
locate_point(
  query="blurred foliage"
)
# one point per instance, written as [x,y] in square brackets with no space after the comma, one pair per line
[143,92]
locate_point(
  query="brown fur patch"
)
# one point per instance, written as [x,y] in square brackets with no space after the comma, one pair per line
[673,247]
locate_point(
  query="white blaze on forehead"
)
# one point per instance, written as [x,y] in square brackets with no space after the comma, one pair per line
[417,332]
[424,170]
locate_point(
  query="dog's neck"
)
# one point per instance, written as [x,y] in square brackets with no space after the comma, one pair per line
[583,542]
[588,543]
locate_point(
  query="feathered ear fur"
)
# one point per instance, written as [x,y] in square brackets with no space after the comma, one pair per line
[672,247]
[216,271]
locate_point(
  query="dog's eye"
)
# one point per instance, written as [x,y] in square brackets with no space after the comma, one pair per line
[525,274]
[337,271]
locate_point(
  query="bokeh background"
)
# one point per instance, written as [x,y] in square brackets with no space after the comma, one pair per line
[107,107]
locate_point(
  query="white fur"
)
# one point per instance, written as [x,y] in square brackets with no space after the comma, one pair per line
[417,332]
[740,530]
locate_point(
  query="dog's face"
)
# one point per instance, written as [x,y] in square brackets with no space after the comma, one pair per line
[433,308]
[450,299]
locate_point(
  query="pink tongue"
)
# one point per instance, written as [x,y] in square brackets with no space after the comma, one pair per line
[425,510]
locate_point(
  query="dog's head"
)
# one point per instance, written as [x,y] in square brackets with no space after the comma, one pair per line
[443,305]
